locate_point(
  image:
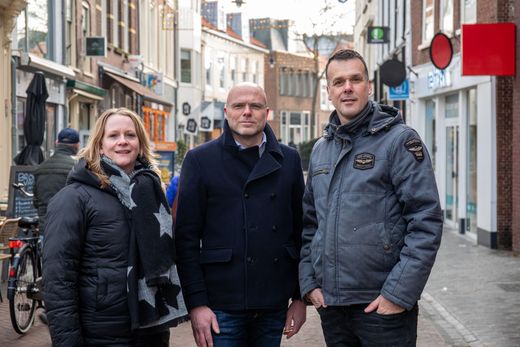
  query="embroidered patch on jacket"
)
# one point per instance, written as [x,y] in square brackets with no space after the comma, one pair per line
[364,161]
[415,147]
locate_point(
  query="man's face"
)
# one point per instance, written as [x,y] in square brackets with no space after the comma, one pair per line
[348,87]
[246,112]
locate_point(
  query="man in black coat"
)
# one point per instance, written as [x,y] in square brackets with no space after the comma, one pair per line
[238,230]
[51,175]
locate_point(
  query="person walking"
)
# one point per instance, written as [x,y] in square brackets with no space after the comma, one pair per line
[109,255]
[51,175]
[238,230]
[372,218]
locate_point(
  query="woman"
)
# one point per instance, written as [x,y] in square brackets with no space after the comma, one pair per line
[108,265]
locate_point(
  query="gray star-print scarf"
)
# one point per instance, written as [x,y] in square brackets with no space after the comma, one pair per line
[154,292]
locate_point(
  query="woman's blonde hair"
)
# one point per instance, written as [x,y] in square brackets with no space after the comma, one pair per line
[91,152]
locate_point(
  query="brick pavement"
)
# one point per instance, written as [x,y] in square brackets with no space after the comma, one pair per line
[472,299]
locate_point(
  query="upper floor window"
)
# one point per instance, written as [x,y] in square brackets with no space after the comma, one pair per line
[446,16]
[222,70]
[185,66]
[468,11]
[207,64]
[428,20]
[70,41]
[85,30]
[115,23]
[32,29]
[233,69]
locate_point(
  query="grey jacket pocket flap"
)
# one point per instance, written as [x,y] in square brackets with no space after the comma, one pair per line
[215,255]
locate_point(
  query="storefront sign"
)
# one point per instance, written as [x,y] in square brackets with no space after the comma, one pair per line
[401,92]
[439,79]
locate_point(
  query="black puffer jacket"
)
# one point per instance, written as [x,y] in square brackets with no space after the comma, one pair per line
[85,265]
[51,176]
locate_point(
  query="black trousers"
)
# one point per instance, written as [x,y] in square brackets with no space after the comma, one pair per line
[156,339]
[350,326]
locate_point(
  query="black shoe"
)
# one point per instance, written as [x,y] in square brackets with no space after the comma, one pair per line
[43,318]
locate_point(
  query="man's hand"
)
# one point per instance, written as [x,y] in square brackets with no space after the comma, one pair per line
[296,315]
[202,321]
[316,297]
[383,306]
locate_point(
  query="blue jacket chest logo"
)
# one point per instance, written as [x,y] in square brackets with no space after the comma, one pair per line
[364,161]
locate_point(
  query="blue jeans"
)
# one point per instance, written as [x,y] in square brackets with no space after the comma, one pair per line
[258,328]
[350,326]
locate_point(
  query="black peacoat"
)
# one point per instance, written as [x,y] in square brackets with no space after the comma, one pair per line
[238,230]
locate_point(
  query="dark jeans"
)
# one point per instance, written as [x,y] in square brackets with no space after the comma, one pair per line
[351,326]
[259,328]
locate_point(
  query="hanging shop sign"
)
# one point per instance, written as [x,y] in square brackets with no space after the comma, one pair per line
[378,35]
[392,72]
[96,47]
[401,92]
[441,51]
[488,49]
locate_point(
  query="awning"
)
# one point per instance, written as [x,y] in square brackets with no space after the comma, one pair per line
[139,89]
[85,89]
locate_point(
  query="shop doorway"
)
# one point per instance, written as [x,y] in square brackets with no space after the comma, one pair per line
[452,159]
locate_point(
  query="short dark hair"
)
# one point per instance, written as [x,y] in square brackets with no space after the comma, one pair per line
[345,54]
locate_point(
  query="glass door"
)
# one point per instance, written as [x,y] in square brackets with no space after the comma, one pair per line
[452,177]
[452,158]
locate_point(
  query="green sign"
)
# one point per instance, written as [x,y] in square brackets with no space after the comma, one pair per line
[96,47]
[378,35]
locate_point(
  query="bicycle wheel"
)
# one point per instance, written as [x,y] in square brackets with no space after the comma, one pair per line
[21,307]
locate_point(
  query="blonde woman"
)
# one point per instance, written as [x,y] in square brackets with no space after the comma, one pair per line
[108,268]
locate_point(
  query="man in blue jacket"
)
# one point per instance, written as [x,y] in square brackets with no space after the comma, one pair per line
[372,219]
[238,230]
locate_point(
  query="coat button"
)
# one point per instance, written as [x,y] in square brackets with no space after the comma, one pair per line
[274,228]
[250,260]
[273,195]
[246,195]
[386,247]
[355,229]
[275,260]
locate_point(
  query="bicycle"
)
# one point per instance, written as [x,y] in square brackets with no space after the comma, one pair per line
[24,283]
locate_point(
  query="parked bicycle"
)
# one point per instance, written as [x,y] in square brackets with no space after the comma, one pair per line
[24,283]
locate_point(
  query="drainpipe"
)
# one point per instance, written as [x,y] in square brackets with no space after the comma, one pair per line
[14,135]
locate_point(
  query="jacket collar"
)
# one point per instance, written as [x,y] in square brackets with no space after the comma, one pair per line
[271,146]
[383,117]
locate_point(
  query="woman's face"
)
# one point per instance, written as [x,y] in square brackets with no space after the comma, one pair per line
[120,142]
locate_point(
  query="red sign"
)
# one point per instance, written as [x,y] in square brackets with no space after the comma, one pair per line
[441,51]
[488,49]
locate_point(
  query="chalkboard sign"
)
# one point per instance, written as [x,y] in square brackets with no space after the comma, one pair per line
[18,204]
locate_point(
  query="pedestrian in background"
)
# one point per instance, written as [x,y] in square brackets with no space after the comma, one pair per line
[238,230]
[108,266]
[372,218]
[51,175]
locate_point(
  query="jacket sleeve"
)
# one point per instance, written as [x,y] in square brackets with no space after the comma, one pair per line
[191,211]
[414,183]
[297,193]
[310,225]
[62,251]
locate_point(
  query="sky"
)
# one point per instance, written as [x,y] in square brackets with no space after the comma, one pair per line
[339,18]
